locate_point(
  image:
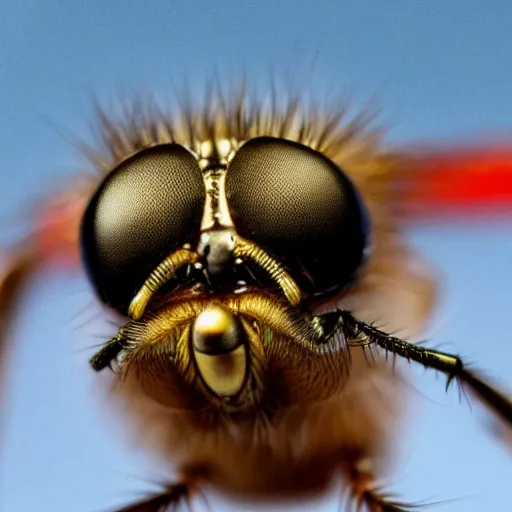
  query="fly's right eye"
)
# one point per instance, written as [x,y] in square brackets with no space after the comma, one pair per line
[148,206]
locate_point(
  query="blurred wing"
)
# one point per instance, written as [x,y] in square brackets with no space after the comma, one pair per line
[397,290]
[469,181]
[53,242]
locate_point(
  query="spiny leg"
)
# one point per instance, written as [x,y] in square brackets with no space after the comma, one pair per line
[365,493]
[362,334]
[169,500]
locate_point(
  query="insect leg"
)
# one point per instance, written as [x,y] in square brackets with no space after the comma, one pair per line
[110,351]
[18,269]
[168,500]
[362,334]
[364,491]
[17,272]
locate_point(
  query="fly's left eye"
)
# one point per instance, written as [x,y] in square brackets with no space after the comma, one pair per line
[299,205]
[147,207]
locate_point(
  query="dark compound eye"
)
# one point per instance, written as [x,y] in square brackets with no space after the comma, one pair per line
[301,207]
[150,205]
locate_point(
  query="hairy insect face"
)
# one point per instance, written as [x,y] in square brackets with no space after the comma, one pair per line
[235,241]
[217,252]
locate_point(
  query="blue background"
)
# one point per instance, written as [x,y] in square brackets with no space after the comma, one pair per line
[442,72]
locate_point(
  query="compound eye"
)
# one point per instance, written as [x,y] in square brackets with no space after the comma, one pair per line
[148,206]
[299,205]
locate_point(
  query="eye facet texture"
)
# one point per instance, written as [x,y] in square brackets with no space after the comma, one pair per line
[150,205]
[299,205]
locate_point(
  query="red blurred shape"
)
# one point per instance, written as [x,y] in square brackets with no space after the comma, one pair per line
[458,182]
[57,228]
